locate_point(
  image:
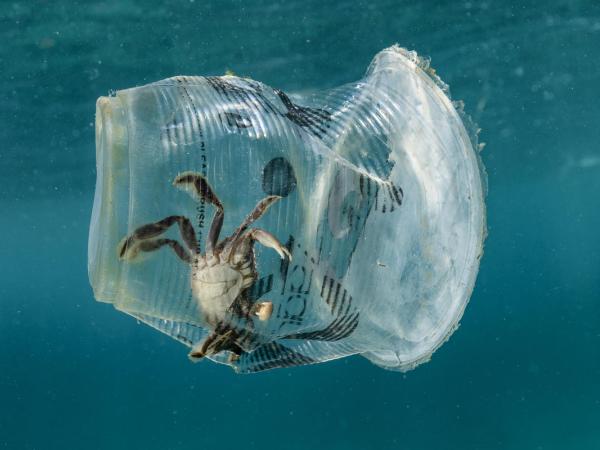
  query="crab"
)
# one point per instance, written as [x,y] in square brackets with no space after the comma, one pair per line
[221,277]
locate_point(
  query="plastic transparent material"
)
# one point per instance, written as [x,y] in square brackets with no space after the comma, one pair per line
[381,208]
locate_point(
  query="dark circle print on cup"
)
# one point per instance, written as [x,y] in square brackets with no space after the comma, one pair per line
[278,177]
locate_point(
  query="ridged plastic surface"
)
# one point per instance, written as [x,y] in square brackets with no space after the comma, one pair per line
[382,210]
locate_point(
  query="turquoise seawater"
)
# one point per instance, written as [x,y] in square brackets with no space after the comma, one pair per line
[522,371]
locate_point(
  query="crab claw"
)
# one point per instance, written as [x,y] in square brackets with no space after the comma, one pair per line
[263,310]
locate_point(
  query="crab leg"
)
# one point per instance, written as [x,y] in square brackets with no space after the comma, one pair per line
[256,214]
[268,240]
[198,187]
[219,340]
[150,245]
[265,238]
[152,230]
[215,230]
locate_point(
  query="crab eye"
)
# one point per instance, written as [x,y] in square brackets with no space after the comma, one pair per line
[278,177]
[361,234]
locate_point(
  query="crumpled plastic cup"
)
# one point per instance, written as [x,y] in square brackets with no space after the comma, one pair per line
[381,206]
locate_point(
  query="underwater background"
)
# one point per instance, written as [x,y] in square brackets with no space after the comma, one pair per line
[522,371]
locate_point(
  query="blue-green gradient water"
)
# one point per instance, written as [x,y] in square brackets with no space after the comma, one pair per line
[523,370]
